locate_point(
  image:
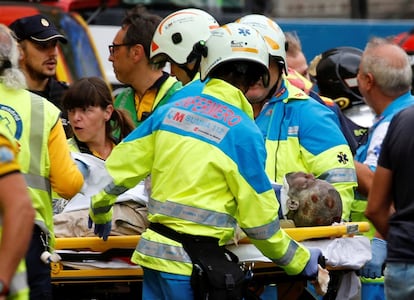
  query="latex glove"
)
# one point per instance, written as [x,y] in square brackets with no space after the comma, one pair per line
[373,268]
[102,230]
[311,269]
[83,168]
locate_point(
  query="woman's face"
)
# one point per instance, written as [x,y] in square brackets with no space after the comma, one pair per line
[88,124]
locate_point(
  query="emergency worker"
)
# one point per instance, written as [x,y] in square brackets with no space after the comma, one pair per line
[45,162]
[209,138]
[17,217]
[17,213]
[129,53]
[384,80]
[335,73]
[179,39]
[38,38]
[300,133]
[353,133]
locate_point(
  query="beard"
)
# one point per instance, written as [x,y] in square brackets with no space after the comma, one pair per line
[37,74]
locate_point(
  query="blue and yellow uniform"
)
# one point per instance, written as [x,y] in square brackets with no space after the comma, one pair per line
[206,158]
[368,154]
[304,135]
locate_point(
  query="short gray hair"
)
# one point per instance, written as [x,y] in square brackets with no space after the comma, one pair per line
[392,73]
[10,74]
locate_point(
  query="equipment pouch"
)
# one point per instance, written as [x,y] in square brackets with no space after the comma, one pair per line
[216,273]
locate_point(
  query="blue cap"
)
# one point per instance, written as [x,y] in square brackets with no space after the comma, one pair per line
[36,28]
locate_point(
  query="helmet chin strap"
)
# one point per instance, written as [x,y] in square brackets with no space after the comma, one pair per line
[191,73]
[199,50]
[274,87]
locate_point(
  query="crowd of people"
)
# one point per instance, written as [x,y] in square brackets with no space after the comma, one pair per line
[203,144]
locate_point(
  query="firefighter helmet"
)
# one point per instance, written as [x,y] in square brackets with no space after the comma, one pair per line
[272,34]
[178,33]
[335,72]
[235,42]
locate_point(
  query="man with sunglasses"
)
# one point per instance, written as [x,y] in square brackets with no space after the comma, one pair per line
[149,85]
[38,38]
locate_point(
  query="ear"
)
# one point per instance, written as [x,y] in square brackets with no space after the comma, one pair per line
[137,52]
[108,112]
[370,80]
[22,52]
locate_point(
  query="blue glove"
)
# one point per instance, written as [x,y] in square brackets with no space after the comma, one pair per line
[373,268]
[102,230]
[83,168]
[311,269]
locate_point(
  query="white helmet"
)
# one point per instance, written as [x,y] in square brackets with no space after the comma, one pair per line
[178,33]
[272,34]
[235,42]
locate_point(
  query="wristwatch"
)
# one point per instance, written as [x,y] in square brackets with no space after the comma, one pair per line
[4,290]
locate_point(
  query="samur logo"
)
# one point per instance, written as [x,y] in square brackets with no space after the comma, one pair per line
[11,119]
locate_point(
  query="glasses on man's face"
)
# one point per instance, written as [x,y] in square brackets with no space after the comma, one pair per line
[114,46]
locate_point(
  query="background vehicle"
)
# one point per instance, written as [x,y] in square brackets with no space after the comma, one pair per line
[77,58]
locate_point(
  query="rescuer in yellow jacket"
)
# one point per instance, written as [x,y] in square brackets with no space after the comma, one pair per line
[44,159]
[206,158]
[16,219]
[300,133]
[190,27]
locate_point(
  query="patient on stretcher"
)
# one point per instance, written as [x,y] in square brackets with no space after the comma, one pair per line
[308,201]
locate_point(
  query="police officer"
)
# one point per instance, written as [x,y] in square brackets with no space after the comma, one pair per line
[38,38]
[206,158]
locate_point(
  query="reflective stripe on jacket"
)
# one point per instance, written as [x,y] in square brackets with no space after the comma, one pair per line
[19,287]
[31,119]
[303,135]
[206,158]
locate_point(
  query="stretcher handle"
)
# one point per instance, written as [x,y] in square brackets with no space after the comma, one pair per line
[96,243]
[306,233]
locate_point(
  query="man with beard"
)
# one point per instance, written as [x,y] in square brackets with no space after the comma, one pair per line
[38,38]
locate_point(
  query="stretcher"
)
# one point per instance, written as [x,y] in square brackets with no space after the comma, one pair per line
[90,260]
